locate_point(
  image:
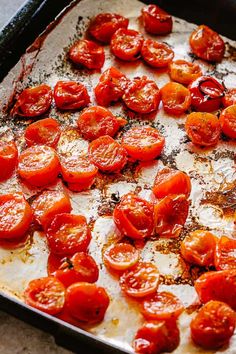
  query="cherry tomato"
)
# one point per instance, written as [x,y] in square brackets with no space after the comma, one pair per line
[203,128]
[126,44]
[81,186]
[39,165]
[33,101]
[156,20]
[228,121]
[88,54]
[121,256]
[184,72]
[141,280]
[225,254]
[70,95]
[213,325]
[176,98]
[8,158]
[229,98]
[107,154]
[15,216]
[55,262]
[170,181]
[156,54]
[133,216]
[142,95]
[104,25]
[45,294]
[207,44]
[43,132]
[87,302]
[68,234]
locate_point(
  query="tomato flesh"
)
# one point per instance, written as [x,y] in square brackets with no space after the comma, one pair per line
[228,121]
[121,256]
[184,72]
[88,54]
[126,44]
[225,254]
[78,169]
[156,54]
[8,158]
[176,98]
[70,95]
[156,20]
[229,98]
[43,132]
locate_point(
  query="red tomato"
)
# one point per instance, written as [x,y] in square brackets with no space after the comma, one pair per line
[39,165]
[207,44]
[70,95]
[141,280]
[198,247]
[170,181]
[225,254]
[156,20]
[68,234]
[213,325]
[206,94]
[33,101]
[107,154]
[176,98]
[121,256]
[88,54]
[15,216]
[126,44]
[142,95]
[87,302]
[170,215]
[43,132]
[45,294]
[229,98]
[203,128]
[228,121]
[54,262]
[184,72]
[81,186]
[104,25]
[157,54]
[78,170]
[133,216]
[8,158]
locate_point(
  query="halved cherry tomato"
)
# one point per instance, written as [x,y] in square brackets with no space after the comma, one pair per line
[198,247]
[8,158]
[141,280]
[81,186]
[203,128]
[143,143]
[184,71]
[207,44]
[225,254]
[170,215]
[126,44]
[142,95]
[156,20]
[107,154]
[39,165]
[133,216]
[220,286]
[206,94]
[229,98]
[88,54]
[45,294]
[213,325]
[121,256]
[68,234]
[170,181]
[15,216]
[176,98]
[228,121]
[70,95]
[33,101]
[87,302]
[43,132]
[104,25]
[156,54]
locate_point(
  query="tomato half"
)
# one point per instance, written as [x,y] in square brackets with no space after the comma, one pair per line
[184,72]
[229,98]
[70,95]
[156,20]
[121,256]
[126,44]
[88,54]
[43,132]
[176,98]
[228,121]
[156,54]
[225,254]
[8,158]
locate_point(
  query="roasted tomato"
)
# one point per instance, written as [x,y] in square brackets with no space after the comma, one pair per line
[8,158]
[213,326]
[141,280]
[220,286]
[170,215]
[225,253]
[88,54]
[184,72]
[142,95]
[156,20]
[121,256]
[39,165]
[203,128]
[46,294]
[143,143]
[33,101]
[43,132]
[103,26]
[228,121]
[206,94]
[156,54]
[126,44]
[176,98]
[133,216]
[199,248]
[70,95]
[87,302]
[15,216]
[229,98]
[107,154]
[207,44]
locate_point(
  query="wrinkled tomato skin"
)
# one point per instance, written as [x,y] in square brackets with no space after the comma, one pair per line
[8,158]
[126,44]
[184,72]
[229,98]
[156,54]
[70,95]
[121,256]
[225,253]
[228,121]
[176,98]
[156,20]
[88,54]
[43,132]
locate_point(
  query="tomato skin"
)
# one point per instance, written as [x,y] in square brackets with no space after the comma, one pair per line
[8,158]
[207,44]
[78,169]
[81,186]
[126,44]
[43,132]
[120,256]
[229,98]
[156,54]
[176,98]
[213,325]
[133,216]
[69,95]
[184,72]
[228,121]
[225,253]
[156,20]
[88,54]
